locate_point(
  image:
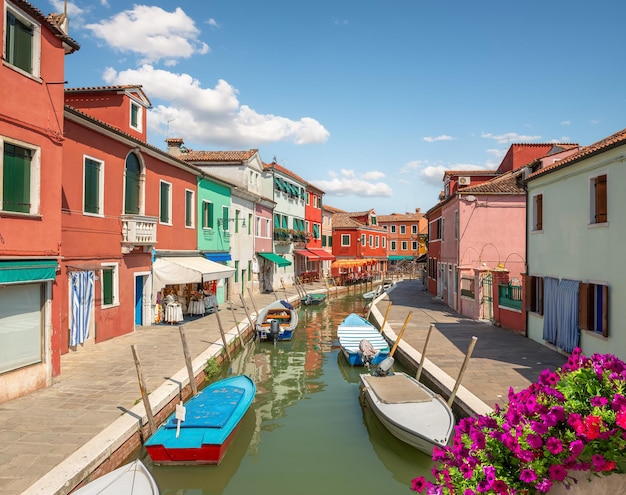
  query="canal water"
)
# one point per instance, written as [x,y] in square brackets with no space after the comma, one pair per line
[306,432]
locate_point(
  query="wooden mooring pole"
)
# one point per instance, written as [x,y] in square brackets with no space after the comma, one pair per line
[382,327]
[192,377]
[406,322]
[144,391]
[419,369]
[462,371]
[245,308]
[219,324]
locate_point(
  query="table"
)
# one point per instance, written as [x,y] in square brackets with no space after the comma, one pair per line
[196,307]
[173,313]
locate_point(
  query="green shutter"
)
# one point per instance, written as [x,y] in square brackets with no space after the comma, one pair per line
[107,286]
[165,202]
[16,179]
[225,218]
[92,186]
[132,184]
[19,43]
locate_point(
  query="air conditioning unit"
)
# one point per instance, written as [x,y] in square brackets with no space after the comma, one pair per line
[464,181]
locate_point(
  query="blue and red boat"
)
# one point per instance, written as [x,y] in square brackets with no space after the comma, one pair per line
[211,421]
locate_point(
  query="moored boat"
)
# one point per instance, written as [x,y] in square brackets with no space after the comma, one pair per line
[277,321]
[313,299]
[361,342]
[409,410]
[131,479]
[211,420]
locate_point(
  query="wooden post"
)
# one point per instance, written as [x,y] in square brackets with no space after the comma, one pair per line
[232,310]
[219,324]
[144,392]
[462,371]
[419,369]
[252,299]
[245,308]
[395,345]
[192,377]
[382,328]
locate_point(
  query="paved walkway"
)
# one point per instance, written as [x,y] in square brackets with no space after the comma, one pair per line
[50,435]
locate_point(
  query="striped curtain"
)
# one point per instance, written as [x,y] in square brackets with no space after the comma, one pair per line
[567,315]
[550,318]
[82,284]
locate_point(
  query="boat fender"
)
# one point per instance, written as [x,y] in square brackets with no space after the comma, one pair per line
[384,368]
[286,304]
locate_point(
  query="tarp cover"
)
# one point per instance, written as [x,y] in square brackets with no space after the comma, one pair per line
[187,270]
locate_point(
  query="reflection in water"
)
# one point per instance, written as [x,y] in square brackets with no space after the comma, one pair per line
[306,432]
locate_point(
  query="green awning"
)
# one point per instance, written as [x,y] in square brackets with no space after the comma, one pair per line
[15,272]
[399,257]
[274,258]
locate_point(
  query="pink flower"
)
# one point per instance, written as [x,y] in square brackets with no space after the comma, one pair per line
[557,472]
[554,445]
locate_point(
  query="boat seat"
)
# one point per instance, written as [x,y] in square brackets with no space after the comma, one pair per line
[396,389]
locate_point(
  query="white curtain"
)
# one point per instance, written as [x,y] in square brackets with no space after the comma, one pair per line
[82,284]
[567,314]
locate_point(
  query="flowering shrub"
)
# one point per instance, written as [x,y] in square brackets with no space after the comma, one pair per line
[573,419]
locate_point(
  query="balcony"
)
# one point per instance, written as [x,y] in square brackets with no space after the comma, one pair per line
[138,231]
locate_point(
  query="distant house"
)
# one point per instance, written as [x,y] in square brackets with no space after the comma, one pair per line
[407,237]
[477,232]
[575,277]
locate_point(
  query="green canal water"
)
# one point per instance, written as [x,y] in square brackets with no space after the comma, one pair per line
[307,432]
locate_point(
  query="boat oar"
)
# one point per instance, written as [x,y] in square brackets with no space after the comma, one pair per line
[419,369]
[382,327]
[406,322]
[462,371]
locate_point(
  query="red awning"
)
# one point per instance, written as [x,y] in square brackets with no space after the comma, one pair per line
[321,254]
[306,253]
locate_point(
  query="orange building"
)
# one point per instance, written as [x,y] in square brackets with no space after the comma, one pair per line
[408,235]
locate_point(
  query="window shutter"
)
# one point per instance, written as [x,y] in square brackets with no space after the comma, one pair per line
[605,310]
[528,292]
[601,211]
[583,306]
[539,212]
[540,289]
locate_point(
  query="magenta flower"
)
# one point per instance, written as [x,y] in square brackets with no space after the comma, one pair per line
[554,445]
[418,484]
[544,486]
[557,472]
[535,441]
[528,475]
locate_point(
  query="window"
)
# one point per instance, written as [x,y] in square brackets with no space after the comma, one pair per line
[165,209]
[414,245]
[189,208]
[598,199]
[593,308]
[236,271]
[132,185]
[207,215]
[414,229]
[537,212]
[92,177]
[456,225]
[377,241]
[22,42]
[371,241]
[249,224]
[405,245]
[237,212]
[109,285]
[19,173]
[436,229]
[345,239]
[533,286]
[393,245]
[225,218]
[384,242]
[135,116]
[467,287]
[393,229]
[402,229]
[363,239]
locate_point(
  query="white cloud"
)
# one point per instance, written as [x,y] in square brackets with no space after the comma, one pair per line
[410,167]
[373,175]
[566,122]
[152,33]
[434,174]
[442,137]
[213,23]
[347,183]
[212,115]
[509,137]
[74,12]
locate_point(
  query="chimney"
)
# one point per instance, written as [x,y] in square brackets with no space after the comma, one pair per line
[174,146]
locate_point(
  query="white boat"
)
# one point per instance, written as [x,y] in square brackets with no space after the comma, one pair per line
[131,479]
[284,318]
[409,410]
[361,342]
[382,288]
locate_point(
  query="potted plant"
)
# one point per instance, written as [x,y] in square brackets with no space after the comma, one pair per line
[567,428]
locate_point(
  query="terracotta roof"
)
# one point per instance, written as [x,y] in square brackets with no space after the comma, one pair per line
[332,209]
[349,220]
[216,156]
[53,21]
[267,167]
[399,217]
[469,172]
[506,183]
[612,141]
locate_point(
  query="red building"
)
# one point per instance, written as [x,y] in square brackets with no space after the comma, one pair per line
[31,138]
[359,245]
[122,200]
[318,259]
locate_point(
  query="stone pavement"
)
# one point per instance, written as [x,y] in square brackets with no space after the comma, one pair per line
[58,433]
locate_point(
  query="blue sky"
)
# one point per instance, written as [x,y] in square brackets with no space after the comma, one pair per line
[369,100]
